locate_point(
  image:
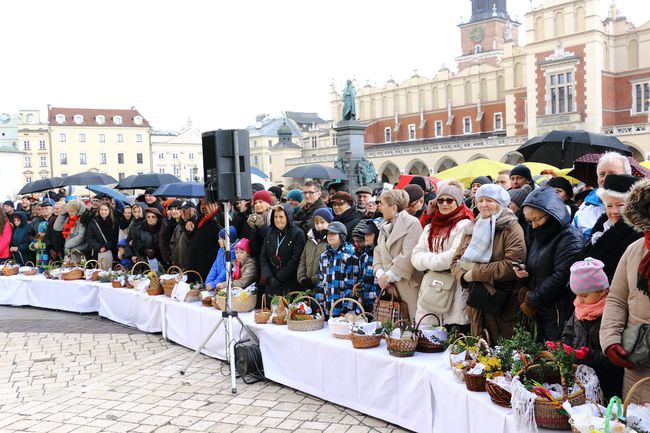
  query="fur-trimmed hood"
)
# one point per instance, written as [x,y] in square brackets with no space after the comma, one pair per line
[637,208]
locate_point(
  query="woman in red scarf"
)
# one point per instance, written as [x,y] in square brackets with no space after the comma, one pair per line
[73,231]
[436,248]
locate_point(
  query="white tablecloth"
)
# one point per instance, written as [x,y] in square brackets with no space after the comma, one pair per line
[78,296]
[189,323]
[131,307]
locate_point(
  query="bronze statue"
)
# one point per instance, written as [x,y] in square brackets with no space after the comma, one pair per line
[349,105]
[366,172]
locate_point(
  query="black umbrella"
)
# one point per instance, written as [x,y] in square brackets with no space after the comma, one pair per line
[148,180]
[41,185]
[561,148]
[88,178]
[181,189]
[316,171]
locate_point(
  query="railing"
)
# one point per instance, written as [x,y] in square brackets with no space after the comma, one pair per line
[626,129]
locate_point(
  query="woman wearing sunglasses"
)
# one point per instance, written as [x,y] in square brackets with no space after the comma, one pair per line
[434,251]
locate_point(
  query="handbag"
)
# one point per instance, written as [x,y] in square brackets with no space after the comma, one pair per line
[484,300]
[437,292]
[394,308]
[636,342]
[104,259]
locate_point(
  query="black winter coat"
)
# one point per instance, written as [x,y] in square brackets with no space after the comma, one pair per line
[550,256]
[350,218]
[256,236]
[94,239]
[578,333]
[204,246]
[282,275]
[20,239]
[609,248]
[304,216]
[145,237]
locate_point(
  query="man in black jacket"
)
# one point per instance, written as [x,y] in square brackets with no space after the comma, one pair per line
[203,244]
[312,202]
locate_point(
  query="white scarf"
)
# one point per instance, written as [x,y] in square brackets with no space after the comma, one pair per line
[480,247]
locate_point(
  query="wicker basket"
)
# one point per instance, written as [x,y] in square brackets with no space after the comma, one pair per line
[474,382]
[193,295]
[280,317]
[92,270]
[75,258]
[116,284]
[30,272]
[337,329]
[10,268]
[424,344]
[630,394]
[459,373]
[73,274]
[263,315]
[313,324]
[168,284]
[498,395]
[402,347]
[238,304]
[361,341]
[208,301]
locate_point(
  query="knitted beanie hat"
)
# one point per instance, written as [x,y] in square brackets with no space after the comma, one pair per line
[233,233]
[518,196]
[295,194]
[495,192]
[264,196]
[523,171]
[243,244]
[587,276]
[452,191]
[325,213]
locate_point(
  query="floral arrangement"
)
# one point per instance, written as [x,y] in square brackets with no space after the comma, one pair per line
[492,365]
[236,292]
[564,357]
[518,351]
[372,328]
[391,331]
[302,311]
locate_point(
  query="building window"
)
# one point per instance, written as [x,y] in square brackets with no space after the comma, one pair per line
[314,142]
[138,138]
[62,138]
[270,143]
[138,158]
[255,160]
[177,171]
[412,131]
[120,176]
[30,119]
[174,155]
[120,158]
[63,158]
[82,138]
[561,93]
[120,138]
[190,156]
[117,120]
[477,49]
[161,155]
[438,131]
[641,98]
[28,179]
[26,145]
[28,161]
[100,119]
[137,120]
[41,144]
[102,158]
[82,159]
[269,159]
[43,161]
[498,121]
[467,125]
[60,119]
[387,135]
[161,170]
[102,138]
[78,119]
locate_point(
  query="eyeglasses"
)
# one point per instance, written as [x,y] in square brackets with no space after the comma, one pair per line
[536,220]
[338,203]
[309,192]
[151,217]
[445,200]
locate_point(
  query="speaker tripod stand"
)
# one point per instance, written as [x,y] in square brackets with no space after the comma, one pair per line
[228,315]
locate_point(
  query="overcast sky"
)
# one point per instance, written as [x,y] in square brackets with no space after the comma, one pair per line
[222,62]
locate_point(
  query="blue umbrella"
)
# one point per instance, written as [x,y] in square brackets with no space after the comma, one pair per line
[101,189]
[256,171]
[181,189]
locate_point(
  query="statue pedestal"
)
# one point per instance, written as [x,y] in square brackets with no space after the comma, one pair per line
[351,147]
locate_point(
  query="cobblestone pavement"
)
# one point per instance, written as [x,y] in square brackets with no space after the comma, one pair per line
[65,372]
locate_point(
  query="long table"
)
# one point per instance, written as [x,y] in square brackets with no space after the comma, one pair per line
[418,393]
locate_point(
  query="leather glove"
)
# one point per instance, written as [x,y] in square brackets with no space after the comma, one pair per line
[467,276]
[307,284]
[521,296]
[529,311]
[273,284]
[150,253]
[466,266]
[617,355]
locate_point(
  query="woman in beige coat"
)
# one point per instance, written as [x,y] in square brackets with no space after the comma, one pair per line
[628,302]
[398,235]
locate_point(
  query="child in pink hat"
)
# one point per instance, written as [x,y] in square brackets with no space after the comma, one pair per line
[590,285]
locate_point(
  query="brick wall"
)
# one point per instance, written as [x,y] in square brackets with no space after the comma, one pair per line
[579,92]
[617,100]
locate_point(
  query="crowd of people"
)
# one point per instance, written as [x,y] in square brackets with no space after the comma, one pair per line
[572,265]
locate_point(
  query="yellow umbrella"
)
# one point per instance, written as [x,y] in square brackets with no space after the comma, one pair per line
[563,173]
[537,167]
[468,171]
[646,164]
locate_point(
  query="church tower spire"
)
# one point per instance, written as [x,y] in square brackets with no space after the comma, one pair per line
[487,9]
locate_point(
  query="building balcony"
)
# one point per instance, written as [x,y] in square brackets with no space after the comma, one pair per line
[639,128]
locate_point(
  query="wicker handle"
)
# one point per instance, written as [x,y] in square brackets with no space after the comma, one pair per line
[86,266]
[264,302]
[322,313]
[9,263]
[55,265]
[173,270]
[119,266]
[463,338]
[630,393]
[483,342]
[357,287]
[565,389]
[190,271]
[140,263]
[345,299]
[428,314]
[28,262]
[79,253]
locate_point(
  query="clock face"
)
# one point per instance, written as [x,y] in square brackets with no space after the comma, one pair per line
[477,34]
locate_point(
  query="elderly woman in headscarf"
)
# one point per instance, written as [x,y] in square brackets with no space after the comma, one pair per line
[483,263]
[74,232]
[398,235]
[628,303]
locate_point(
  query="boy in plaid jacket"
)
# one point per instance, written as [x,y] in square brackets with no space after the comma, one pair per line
[338,270]
[367,278]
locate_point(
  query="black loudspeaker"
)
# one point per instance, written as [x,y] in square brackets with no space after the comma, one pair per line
[226,165]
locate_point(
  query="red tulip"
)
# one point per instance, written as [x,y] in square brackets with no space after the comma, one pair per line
[550,345]
[582,352]
[567,349]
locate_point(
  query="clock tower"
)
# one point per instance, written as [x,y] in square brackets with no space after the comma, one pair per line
[484,35]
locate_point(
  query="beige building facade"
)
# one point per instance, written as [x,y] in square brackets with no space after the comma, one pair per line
[178,153]
[112,141]
[34,141]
